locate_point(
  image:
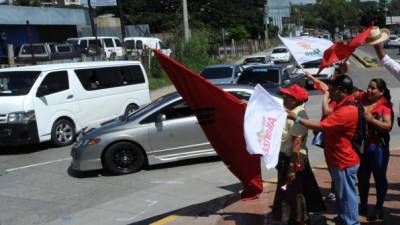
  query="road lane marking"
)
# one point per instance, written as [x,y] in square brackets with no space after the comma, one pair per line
[167,182]
[165,220]
[37,164]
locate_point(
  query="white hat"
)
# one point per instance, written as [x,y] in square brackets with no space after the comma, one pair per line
[377,36]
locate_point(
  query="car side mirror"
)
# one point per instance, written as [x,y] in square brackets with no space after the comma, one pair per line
[42,91]
[161,118]
[286,83]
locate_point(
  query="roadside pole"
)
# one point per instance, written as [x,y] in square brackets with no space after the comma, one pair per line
[28,27]
[93,26]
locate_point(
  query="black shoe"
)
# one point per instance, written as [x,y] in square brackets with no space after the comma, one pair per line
[363,210]
[376,214]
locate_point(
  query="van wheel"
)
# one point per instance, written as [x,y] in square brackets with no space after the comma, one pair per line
[131,108]
[63,133]
[123,157]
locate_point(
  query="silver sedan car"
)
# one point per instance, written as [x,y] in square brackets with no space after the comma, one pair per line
[164,131]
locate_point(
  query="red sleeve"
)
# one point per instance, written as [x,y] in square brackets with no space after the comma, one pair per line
[334,119]
[385,110]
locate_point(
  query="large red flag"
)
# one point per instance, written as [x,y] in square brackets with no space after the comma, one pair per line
[221,117]
[340,50]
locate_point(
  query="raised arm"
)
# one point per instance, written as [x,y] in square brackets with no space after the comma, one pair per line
[323,86]
[387,62]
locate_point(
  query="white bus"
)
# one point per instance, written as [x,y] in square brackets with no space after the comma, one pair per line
[53,102]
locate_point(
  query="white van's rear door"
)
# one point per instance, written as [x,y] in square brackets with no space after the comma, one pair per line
[58,101]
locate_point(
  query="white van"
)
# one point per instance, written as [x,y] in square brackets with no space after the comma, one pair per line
[53,102]
[110,45]
[137,44]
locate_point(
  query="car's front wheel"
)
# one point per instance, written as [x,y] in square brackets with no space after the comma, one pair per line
[123,157]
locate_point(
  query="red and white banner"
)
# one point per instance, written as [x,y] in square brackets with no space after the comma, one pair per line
[263,126]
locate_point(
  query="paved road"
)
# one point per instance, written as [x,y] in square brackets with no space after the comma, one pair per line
[36,186]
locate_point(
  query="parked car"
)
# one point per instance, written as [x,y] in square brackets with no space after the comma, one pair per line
[47,52]
[313,67]
[109,45]
[270,77]
[392,42]
[256,60]
[135,45]
[280,55]
[222,73]
[164,131]
[52,102]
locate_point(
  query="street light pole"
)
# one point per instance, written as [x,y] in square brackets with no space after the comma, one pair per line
[185,20]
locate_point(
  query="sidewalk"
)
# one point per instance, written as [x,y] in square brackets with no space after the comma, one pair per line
[231,210]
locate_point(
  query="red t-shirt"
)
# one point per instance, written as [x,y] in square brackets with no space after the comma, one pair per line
[381,108]
[338,127]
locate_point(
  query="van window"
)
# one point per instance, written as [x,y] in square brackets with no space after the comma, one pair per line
[162,45]
[118,42]
[94,43]
[130,44]
[139,44]
[132,75]
[83,43]
[56,82]
[108,42]
[109,77]
[17,83]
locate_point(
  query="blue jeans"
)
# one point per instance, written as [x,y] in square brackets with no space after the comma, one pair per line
[346,194]
[375,160]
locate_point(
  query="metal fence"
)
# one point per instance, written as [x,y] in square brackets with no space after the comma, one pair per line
[240,48]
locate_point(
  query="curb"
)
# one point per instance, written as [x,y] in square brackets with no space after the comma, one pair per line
[364,62]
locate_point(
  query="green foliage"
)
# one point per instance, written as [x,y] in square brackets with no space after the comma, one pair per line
[166,15]
[238,32]
[194,54]
[158,78]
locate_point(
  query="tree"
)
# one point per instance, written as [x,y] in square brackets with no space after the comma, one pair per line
[331,14]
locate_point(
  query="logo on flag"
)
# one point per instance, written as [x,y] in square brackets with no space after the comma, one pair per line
[306,49]
[265,135]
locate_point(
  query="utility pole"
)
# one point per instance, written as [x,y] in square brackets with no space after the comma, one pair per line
[28,27]
[185,20]
[91,15]
[121,17]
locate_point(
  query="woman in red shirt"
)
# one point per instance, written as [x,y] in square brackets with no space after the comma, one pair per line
[379,115]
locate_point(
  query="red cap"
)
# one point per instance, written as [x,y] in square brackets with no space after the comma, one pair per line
[297,92]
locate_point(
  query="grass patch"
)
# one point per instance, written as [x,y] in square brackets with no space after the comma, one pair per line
[156,83]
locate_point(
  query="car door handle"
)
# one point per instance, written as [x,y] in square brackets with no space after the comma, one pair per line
[70,96]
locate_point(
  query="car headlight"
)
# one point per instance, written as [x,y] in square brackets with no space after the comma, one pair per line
[21,117]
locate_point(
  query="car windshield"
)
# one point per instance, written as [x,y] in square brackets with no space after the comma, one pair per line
[255,60]
[393,38]
[217,73]
[259,76]
[17,83]
[279,50]
[312,64]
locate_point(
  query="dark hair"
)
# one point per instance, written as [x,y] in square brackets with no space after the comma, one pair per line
[344,84]
[381,85]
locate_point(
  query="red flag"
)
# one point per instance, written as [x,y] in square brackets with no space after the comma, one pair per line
[340,50]
[221,117]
